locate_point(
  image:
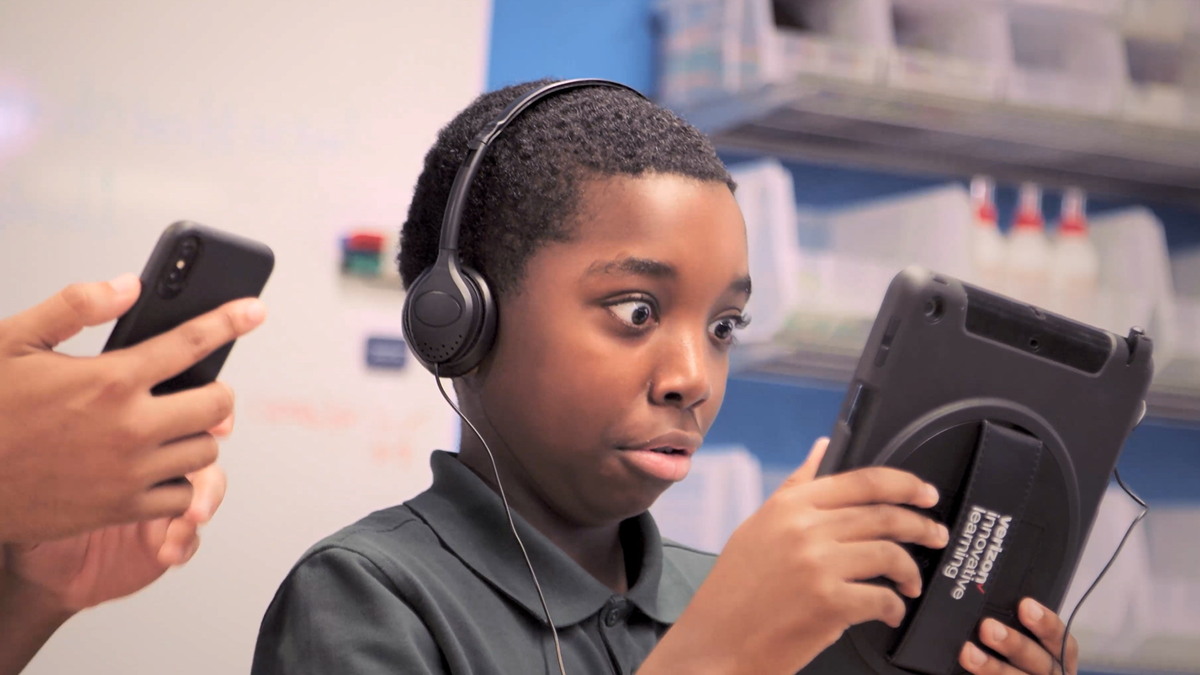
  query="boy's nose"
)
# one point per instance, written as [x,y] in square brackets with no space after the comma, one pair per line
[682,375]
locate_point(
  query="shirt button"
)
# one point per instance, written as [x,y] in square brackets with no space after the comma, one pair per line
[612,616]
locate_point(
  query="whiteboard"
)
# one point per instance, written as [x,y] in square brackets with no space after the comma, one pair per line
[283,121]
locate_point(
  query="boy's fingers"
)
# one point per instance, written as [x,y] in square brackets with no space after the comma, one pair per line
[1049,630]
[1024,654]
[976,661]
[868,560]
[164,356]
[808,470]
[868,602]
[72,309]
[887,522]
[874,485]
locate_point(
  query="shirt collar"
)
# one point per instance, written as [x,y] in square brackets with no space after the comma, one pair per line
[468,517]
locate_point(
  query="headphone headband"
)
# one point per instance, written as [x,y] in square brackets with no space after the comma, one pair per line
[450,316]
[478,147]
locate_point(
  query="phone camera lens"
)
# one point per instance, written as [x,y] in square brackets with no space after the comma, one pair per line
[168,290]
[175,276]
[188,247]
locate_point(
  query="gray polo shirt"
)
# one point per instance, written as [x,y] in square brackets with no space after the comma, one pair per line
[438,585]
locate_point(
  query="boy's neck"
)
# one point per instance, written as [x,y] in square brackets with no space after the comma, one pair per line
[597,550]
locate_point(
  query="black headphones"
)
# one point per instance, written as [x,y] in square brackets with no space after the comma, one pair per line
[449,312]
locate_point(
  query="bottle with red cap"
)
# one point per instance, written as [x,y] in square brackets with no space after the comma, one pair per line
[987,242]
[1074,262]
[1027,259]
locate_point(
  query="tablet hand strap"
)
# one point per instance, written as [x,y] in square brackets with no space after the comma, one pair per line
[1002,474]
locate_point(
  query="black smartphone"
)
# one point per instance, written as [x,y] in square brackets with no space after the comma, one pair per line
[193,270]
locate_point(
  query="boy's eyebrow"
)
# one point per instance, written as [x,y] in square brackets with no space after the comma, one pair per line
[644,267]
[656,269]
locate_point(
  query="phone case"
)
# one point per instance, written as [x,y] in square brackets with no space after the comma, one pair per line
[217,267]
[991,400]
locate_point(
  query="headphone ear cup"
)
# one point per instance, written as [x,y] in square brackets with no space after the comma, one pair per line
[476,345]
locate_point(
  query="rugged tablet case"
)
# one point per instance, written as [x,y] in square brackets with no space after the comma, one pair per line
[1018,417]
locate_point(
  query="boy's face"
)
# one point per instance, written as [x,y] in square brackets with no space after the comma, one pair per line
[611,359]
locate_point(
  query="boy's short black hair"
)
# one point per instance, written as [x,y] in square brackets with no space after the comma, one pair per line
[528,189]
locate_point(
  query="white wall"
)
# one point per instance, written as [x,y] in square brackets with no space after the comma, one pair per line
[283,121]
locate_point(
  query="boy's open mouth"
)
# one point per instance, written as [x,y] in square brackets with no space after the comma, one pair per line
[664,450]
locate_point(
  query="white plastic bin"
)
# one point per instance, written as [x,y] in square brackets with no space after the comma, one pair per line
[1136,288]
[768,201]
[1119,615]
[1073,60]
[847,39]
[849,256]
[1164,85]
[951,47]
[723,488]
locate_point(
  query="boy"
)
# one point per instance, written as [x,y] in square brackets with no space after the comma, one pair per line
[607,229]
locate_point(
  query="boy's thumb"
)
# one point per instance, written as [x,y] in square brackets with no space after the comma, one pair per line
[808,470]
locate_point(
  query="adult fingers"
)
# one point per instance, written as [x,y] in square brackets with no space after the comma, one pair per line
[886,522]
[71,310]
[179,540]
[873,485]
[189,412]
[164,356]
[168,500]
[225,428]
[862,561]
[177,459]
[208,492]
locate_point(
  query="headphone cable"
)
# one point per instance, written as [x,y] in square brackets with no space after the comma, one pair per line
[1062,654]
[508,511]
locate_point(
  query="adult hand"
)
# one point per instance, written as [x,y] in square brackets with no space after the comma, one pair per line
[42,585]
[83,443]
[790,580]
[1023,655]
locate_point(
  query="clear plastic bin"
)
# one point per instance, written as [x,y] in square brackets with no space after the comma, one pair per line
[847,39]
[1100,8]
[1160,20]
[1066,59]
[710,48]
[951,47]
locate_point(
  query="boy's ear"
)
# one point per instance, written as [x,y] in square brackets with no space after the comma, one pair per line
[469,384]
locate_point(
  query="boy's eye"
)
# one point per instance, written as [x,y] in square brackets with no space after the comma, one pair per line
[633,312]
[723,329]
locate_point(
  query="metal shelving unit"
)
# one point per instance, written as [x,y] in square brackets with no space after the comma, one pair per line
[1176,399]
[813,118]
[816,119]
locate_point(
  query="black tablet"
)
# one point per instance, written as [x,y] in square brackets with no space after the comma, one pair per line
[1018,416]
